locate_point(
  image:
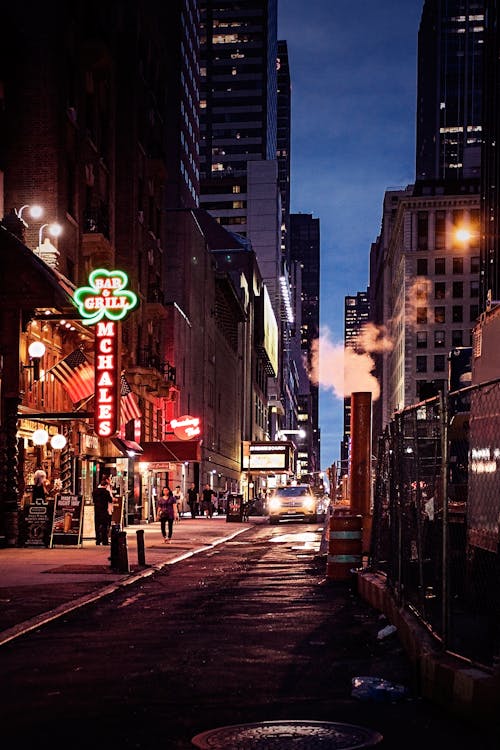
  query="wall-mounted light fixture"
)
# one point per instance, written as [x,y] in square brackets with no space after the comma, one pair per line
[46,250]
[41,437]
[58,441]
[54,229]
[36,350]
[35,212]
[281,434]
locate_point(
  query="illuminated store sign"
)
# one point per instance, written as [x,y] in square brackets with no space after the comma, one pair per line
[186,427]
[269,456]
[106,297]
[106,379]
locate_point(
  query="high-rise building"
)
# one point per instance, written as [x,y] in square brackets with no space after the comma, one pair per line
[238,148]
[356,315]
[305,249]
[238,109]
[449,101]
[490,193]
[182,181]
[284,143]
[427,278]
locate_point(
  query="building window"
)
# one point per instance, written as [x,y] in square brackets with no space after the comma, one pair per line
[474,313]
[457,314]
[474,288]
[458,289]
[439,290]
[422,291]
[440,230]
[458,265]
[422,230]
[422,267]
[421,339]
[439,266]
[439,339]
[439,315]
[458,223]
[457,338]
[439,362]
[474,264]
[421,315]
[422,363]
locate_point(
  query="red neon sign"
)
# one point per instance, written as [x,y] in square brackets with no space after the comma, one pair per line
[186,427]
[106,379]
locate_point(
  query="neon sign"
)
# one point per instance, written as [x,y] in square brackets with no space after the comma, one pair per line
[105,297]
[186,427]
[106,379]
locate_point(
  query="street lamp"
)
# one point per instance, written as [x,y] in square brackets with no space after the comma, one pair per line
[46,250]
[36,350]
[281,434]
[55,230]
[35,212]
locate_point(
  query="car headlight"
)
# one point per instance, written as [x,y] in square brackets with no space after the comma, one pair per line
[309,503]
[274,503]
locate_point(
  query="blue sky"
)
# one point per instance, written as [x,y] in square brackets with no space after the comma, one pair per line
[353,70]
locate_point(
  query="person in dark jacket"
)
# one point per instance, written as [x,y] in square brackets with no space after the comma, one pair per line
[207,503]
[103,501]
[167,513]
[193,500]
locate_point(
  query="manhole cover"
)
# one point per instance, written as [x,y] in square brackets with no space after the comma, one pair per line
[295,735]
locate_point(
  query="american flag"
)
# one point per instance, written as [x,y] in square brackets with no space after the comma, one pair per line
[129,406]
[76,375]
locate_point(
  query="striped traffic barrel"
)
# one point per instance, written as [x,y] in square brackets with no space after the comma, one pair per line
[345,545]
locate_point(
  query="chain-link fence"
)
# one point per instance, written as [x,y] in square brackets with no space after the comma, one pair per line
[441,557]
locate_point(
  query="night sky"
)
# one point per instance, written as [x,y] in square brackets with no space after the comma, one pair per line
[353,70]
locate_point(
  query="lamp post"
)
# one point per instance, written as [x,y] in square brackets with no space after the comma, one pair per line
[35,211]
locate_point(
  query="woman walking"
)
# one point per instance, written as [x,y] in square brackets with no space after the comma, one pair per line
[167,511]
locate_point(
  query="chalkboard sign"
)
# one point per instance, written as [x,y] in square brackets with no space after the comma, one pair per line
[38,523]
[68,517]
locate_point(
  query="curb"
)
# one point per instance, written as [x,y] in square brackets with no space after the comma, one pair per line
[63,609]
[443,679]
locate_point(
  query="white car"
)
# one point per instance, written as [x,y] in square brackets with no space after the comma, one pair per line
[293,502]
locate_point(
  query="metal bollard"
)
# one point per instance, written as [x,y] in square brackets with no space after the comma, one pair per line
[119,552]
[141,556]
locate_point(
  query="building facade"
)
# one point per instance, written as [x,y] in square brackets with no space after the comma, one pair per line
[432,290]
[305,250]
[356,315]
[449,95]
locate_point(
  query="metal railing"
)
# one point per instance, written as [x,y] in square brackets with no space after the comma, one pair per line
[436,517]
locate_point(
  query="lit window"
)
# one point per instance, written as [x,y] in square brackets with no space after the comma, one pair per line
[439,339]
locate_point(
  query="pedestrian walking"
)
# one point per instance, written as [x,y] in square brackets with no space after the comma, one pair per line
[167,513]
[179,499]
[207,506]
[193,500]
[103,503]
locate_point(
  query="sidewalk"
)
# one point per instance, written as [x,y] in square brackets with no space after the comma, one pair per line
[39,584]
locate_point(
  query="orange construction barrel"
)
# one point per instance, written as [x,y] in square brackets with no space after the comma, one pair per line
[345,546]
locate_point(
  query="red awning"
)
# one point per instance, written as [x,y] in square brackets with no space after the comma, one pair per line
[175,451]
[127,447]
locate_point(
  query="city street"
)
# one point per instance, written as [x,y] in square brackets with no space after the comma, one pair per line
[247,631]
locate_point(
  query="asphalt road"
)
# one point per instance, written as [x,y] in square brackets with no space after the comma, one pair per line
[246,632]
